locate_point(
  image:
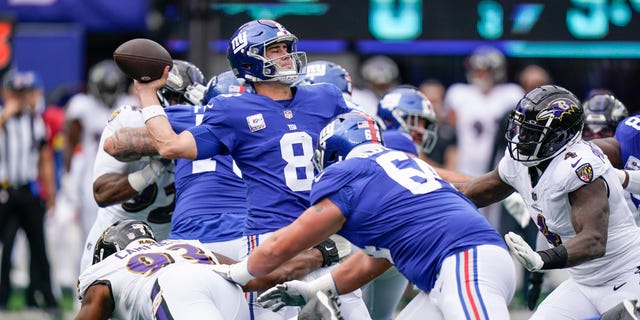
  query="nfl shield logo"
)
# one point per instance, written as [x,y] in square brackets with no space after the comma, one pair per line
[288,114]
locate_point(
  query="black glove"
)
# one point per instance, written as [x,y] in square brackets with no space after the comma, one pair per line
[535,284]
[329,252]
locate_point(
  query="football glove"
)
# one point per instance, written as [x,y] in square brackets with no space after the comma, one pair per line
[146,176]
[295,293]
[343,245]
[530,259]
[517,209]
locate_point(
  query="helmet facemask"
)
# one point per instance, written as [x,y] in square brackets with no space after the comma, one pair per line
[531,143]
[425,126]
[271,70]
[184,85]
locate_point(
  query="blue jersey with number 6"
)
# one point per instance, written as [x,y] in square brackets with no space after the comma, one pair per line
[396,207]
[628,136]
[211,199]
[272,142]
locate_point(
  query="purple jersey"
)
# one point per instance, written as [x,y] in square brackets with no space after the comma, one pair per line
[396,207]
[628,136]
[272,142]
[211,199]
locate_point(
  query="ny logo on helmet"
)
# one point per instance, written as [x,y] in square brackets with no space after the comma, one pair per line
[281,30]
[326,133]
[557,109]
[239,42]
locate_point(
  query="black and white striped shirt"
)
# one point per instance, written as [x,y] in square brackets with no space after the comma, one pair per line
[20,141]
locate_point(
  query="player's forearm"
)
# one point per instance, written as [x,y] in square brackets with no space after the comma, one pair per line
[296,268]
[90,313]
[485,190]
[358,270]
[130,144]
[112,188]
[163,137]
[97,303]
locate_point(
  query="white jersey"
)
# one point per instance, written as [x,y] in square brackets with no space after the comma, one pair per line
[136,274]
[153,205]
[478,117]
[92,115]
[148,205]
[549,207]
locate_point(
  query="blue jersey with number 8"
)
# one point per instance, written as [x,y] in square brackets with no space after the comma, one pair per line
[272,142]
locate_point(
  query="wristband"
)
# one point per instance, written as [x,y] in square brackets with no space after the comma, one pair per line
[239,272]
[329,252]
[554,258]
[152,112]
[633,182]
[623,175]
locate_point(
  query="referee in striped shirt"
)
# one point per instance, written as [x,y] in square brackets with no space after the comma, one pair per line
[26,169]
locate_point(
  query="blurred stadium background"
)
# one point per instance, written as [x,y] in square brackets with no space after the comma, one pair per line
[583,44]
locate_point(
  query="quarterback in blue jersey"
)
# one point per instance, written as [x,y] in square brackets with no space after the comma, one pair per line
[398,210]
[270,134]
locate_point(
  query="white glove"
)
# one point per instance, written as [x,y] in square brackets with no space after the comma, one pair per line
[236,273]
[146,176]
[517,208]
[530,259]
[343,245]
[295,293]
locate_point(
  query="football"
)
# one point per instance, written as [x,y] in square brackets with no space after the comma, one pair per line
[142,59]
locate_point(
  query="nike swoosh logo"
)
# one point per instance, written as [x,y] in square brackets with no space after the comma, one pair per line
[615,288]
[329,248]
[573,165]
[317,178]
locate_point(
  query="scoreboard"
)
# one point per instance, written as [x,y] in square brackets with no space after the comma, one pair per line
[553,28]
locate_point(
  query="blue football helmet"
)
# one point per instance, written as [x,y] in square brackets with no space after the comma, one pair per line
[247,52]
[407,109]
[342,134]
[119,235]
[543,124]
[225,82]
[602,114]
[326,72]
[185,85]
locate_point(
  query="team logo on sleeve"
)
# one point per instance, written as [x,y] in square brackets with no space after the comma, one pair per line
[256,122]
[585,172]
